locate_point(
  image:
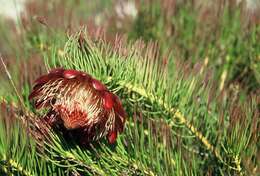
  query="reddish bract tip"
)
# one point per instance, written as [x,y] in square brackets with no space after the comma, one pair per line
[119,107]
[57,70]
[42,79]
[98,85]
[70,74]
[108,100]
[112,137]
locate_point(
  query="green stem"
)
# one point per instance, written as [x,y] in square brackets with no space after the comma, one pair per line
[176,113]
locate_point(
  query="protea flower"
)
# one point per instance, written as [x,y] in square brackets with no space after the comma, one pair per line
[80,103]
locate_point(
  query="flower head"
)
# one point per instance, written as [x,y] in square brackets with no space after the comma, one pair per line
[79,102]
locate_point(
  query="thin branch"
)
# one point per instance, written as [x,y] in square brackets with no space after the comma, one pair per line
[12,82]
[176,113]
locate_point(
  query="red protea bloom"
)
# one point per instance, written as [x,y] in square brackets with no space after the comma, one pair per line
[79,102]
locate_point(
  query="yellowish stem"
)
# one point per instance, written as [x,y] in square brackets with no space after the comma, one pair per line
[177,114]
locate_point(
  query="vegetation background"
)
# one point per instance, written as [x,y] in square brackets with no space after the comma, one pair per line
[188,73]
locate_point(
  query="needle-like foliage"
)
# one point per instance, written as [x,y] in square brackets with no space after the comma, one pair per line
[179,123]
